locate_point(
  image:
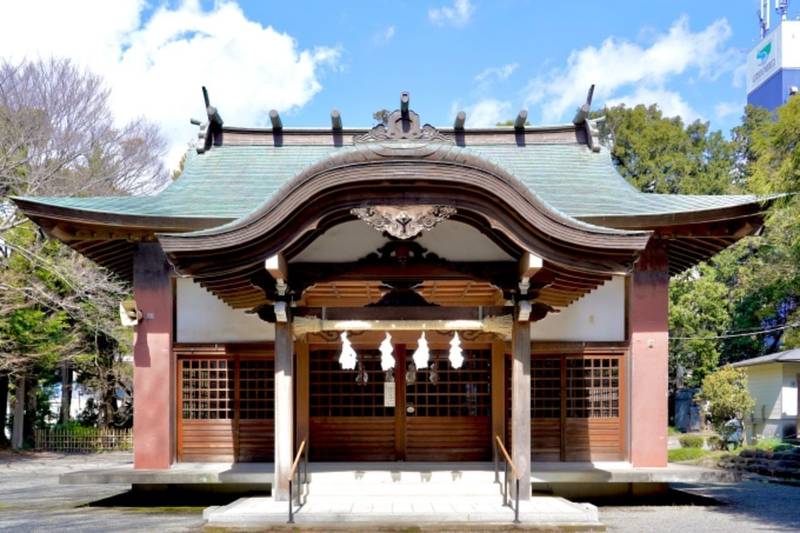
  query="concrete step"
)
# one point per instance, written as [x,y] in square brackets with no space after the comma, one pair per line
[403,483]
[545,512]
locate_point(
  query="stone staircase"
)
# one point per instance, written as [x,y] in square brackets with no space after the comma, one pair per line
[406,495]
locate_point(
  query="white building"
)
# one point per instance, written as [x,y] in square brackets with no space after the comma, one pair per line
[772,381]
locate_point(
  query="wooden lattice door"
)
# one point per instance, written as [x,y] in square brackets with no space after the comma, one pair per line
[350,420]
[448,410]
[409,418]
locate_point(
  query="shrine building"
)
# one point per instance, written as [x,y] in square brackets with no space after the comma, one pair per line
[403,293]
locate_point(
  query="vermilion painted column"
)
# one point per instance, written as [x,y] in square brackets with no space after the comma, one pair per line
[648,323]
[153,361]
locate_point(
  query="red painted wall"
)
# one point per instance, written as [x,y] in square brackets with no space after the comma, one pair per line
[154,363]
[648,323]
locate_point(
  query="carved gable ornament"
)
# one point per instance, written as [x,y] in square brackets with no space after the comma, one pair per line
[403,125]
[404,222]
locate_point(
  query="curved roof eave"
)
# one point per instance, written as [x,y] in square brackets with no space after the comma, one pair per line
[370,174]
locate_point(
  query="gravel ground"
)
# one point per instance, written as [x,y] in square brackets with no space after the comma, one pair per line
[32,500]
[746,506]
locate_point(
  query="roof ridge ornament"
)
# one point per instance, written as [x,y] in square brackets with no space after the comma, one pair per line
[403,125]
[211,130]
[590,125]
[404,222]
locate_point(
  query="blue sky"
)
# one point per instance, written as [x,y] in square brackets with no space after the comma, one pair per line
[439,63]
[490,58]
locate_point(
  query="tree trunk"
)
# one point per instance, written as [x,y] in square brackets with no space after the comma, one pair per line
[29,422]
[3,406]
[106,408]
[19,412]
[66,392]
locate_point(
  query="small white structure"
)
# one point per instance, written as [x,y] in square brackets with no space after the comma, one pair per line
[772,381]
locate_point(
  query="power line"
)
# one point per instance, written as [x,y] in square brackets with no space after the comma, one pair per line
[735,335]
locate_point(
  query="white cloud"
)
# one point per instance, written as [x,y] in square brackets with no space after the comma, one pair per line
[725,110]
[156,68]
[384,36]
[500,73]
[458,15]
[670,102]
[618,66]
[486,112]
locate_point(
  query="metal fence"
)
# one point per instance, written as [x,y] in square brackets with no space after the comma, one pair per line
[83,440]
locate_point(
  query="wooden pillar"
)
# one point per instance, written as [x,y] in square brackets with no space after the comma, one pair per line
[284,407]
[17,439]
[154,381]
[521,404]
[302,391]
[648,323]
[498,390]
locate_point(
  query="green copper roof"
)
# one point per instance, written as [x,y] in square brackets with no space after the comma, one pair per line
[228,182]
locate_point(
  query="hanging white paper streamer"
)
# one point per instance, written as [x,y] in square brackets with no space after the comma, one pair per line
[456,355]
[386,348]
[347,359]
[422,354]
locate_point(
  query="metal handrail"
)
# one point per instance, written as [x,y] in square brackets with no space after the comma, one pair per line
[301,454]
[507,463]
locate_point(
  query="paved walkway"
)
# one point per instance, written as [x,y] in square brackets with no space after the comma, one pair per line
[32,500]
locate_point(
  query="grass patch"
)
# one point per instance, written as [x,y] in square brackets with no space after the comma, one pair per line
[686,454]
[672,430]
[691,441]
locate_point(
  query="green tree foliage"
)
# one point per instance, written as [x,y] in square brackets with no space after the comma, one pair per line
[662,155]
[58,137]
[698,310]
[754,284]
[725,390]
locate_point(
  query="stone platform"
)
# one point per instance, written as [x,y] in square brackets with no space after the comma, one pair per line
[262,473]
[404,496]
[544,512]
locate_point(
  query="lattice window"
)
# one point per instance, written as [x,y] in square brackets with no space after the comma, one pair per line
[593,387]
[256,389]
[457,392]
[546,388]
[335,392]
[207,389]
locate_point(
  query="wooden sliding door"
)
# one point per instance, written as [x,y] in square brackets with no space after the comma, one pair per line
[225,406]
[448,410]
[433,414]
[351,420]
[577,406]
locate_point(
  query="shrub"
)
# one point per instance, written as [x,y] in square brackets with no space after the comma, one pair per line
[725,390]
[714,442]
[768,444]
[691,441]
[685,454]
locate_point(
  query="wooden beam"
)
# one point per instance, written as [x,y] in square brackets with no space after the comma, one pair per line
[275,118]
[402,313]
[277,267]
[336,120]
[461,118]
[585,109]
[499,390]
[303,391]
[521,120]
[284,411]
[521,404]
[529,265]
[404,100]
